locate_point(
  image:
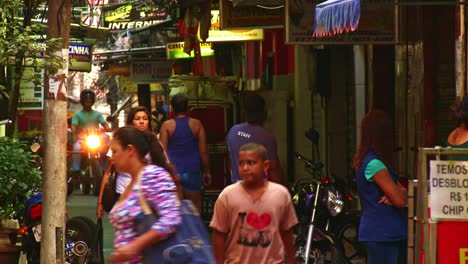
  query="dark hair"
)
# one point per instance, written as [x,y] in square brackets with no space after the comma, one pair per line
[87,93]
[131,115]
[179,103]
[259,148]
[376,135]
[254,106]
[145,142]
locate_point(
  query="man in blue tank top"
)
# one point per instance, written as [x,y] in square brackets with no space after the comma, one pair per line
[184,139]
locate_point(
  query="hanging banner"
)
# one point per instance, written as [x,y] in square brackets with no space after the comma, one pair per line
[334,17]
[378,24]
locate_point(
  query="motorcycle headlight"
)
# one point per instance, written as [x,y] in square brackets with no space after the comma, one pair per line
[93,141]
[334,202]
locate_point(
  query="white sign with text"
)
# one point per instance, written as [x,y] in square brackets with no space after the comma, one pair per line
[448,189]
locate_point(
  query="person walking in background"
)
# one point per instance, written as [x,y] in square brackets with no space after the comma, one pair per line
[383,228]
[253,218]
[159,115]
[138,117]
[252,131]
[184,139]
[155,181]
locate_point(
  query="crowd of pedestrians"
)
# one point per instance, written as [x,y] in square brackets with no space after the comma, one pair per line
[254,215]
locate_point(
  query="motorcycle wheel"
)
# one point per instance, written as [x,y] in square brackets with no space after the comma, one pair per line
[91,224]
[96,175]
[347,234]
[322,251]
[78,230]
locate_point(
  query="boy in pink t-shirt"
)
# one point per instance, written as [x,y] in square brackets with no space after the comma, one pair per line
[253,218]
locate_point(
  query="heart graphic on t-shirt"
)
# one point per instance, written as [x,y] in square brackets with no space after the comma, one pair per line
[258,221]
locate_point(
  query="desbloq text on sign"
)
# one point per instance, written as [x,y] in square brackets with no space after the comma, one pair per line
[448,189]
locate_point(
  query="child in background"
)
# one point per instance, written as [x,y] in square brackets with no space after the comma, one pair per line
[253,218]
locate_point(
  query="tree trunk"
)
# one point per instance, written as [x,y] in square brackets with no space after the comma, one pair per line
[14,95]
[55,134]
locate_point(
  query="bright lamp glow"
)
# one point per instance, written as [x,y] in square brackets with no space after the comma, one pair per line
[93,141]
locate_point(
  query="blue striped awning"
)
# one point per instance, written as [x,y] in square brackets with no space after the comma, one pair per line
[336,16]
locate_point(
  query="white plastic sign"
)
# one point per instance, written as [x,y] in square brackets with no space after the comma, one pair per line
[448,189]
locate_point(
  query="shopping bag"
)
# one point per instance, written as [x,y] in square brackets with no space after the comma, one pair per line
[190,244]
[109,196]
[96,248]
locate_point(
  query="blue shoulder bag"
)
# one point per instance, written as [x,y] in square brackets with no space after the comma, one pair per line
[189,244]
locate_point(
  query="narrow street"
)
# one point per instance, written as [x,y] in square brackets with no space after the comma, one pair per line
[85,205]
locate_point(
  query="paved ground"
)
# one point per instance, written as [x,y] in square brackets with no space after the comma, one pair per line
[85,205]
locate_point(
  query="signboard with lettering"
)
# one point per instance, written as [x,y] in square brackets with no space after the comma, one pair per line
[80,57]
[448,189]
[150,71]
[132,15]
[176,51]
[217,35]
[126,86]
[251,14]
[377,24]
[31,91]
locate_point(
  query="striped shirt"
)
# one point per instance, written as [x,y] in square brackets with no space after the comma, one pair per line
[159,190]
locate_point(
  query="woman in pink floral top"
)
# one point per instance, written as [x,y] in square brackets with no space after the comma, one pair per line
[129,147]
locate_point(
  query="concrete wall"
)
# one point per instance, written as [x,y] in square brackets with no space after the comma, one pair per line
[302,107]
[277,101]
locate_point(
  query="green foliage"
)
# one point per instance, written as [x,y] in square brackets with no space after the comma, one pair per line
[23,44]
[15,34]
[18,176]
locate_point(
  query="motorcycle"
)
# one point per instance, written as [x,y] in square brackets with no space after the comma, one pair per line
[325,234]
[92,162]
[79,233]
[316,201]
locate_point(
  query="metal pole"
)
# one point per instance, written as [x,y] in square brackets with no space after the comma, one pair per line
[411,220]
[55,135]
[460,50]
[424,207]
[311,226]
[418,223]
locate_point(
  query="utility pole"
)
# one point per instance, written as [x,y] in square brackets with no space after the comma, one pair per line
[55,132]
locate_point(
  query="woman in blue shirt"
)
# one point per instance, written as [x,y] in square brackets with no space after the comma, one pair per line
[383,228]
